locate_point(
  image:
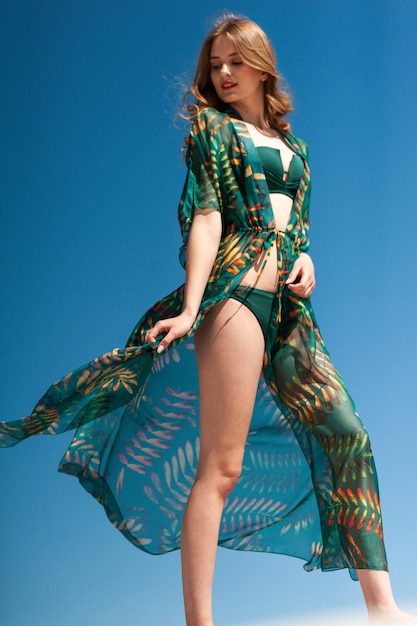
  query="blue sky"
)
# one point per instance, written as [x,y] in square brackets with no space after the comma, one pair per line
[90,182]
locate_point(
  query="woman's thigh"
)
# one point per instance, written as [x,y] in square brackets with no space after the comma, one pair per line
[229,347]
[310,386]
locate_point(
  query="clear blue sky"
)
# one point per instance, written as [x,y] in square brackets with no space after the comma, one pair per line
[90,179]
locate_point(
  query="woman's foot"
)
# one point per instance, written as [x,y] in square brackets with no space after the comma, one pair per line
[392,617]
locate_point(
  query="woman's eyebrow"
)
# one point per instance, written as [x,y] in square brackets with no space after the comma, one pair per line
[232,54]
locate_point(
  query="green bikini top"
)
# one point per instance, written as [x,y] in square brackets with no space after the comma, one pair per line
[274,171]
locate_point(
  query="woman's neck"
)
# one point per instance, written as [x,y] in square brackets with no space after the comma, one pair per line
[252,115]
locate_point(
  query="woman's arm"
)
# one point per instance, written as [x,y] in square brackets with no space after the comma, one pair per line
[202,248]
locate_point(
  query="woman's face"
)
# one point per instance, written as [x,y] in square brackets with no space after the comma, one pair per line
[235,82]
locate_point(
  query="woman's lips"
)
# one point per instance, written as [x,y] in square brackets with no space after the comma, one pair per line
[228,85]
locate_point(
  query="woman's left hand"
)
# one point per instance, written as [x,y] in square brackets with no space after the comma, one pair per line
[301,279]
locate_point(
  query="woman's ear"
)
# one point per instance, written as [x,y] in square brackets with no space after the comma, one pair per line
[264,76]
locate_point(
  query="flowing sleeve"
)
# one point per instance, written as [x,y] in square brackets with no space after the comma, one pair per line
[202,188]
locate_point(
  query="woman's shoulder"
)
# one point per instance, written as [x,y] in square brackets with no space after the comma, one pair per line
[299,143]
[210,119]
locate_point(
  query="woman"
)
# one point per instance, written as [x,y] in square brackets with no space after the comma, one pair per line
[277,459]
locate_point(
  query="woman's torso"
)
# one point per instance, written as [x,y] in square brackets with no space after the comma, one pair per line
[281,207]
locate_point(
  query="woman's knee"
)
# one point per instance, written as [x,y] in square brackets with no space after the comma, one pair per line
[221,476]
[345,440]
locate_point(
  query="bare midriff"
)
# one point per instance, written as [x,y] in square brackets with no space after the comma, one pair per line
[281,207]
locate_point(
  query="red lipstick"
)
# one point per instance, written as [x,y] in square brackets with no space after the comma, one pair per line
[227,84]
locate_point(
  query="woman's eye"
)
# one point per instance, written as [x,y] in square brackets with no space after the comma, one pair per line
[237,62]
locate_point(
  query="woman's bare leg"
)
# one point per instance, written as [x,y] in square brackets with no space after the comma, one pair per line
[382,608]
[229,347]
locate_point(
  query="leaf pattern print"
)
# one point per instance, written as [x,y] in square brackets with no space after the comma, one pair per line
[308,486]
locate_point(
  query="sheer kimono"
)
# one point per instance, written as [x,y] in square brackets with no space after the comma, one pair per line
[308,486]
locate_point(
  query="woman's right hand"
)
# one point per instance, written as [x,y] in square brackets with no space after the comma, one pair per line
[173,327]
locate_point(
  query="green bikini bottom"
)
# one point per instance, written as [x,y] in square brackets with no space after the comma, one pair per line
[258,301]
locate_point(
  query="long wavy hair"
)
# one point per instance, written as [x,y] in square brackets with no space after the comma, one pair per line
[255,49]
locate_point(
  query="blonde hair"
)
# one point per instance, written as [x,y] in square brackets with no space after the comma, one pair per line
[255,49]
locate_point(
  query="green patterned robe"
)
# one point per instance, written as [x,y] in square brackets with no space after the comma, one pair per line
[308,486]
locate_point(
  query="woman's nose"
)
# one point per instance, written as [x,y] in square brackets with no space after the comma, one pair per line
[225,69]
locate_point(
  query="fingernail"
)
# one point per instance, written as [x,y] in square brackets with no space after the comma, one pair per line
[160,349]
